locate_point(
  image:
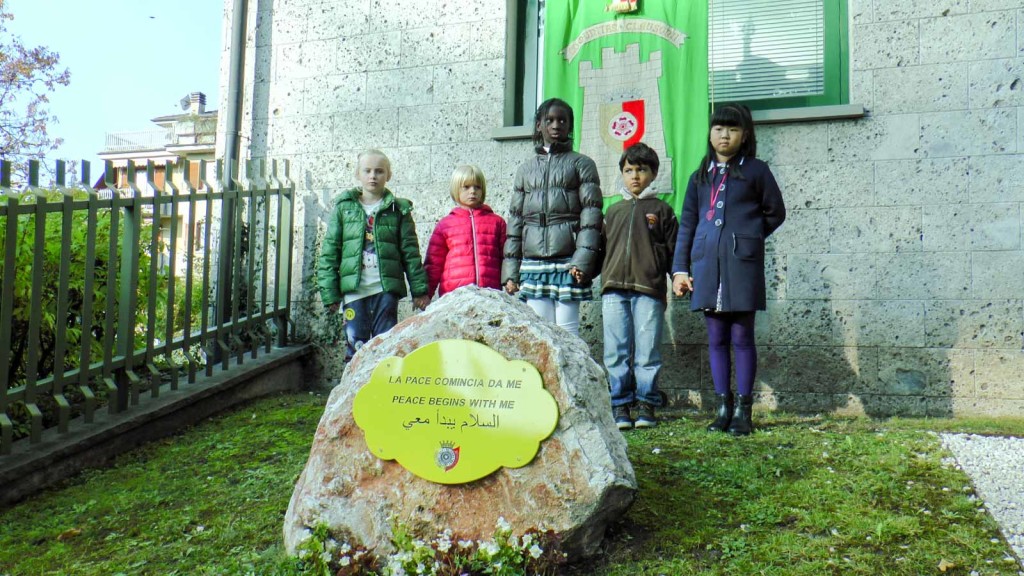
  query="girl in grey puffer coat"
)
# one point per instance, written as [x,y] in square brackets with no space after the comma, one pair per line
[553,246]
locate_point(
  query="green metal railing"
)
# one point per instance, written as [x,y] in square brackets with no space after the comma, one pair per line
[109,295]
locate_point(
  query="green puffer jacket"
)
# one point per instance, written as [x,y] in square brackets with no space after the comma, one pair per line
[339,266]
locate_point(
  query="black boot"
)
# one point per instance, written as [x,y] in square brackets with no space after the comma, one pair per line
[741,424]
[724,413]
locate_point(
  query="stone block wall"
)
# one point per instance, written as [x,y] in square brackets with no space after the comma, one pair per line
[898,279]
[895,287]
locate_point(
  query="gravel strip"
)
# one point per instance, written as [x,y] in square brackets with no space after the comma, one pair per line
[996,468]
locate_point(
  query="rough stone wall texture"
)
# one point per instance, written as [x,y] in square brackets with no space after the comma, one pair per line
[896,285]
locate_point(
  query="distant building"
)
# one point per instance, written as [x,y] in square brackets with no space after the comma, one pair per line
[191,135]
[183,138]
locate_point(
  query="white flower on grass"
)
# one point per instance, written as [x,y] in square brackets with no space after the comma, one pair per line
[503,524]
[465,543]
[344,561]
[656,451]
[395,566]
[444,545]
[489,548]
[420,568]
[326,557]
[513,541]
[444,541]
[536,551]
[403,556]
[527,540]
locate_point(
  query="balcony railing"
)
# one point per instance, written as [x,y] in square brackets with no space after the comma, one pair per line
[100,307]
[137,141]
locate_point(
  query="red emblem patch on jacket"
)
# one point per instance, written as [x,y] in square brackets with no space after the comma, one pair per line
[652,221]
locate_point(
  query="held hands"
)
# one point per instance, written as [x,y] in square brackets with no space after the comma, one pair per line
[577,275]
[511,287]
[681,284]
[420,302]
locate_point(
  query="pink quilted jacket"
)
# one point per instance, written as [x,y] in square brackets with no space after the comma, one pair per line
[465,248]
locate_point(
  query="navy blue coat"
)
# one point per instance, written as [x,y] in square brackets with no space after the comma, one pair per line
[728,249]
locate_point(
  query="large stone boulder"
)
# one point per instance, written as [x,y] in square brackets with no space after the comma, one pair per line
[580,480]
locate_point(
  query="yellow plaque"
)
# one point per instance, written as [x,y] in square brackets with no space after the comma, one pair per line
[455,411]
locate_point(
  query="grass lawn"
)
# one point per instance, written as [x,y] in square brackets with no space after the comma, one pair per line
[804,495]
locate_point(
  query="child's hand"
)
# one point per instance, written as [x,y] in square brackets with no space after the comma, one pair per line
[577,274]
[681,284]
[420,302]
[511,287]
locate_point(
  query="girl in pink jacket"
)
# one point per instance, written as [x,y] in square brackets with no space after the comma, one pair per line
[466,246]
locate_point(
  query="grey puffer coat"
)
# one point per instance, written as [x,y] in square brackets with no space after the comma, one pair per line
[555,212]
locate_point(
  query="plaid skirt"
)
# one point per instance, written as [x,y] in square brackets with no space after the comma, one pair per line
[550,279]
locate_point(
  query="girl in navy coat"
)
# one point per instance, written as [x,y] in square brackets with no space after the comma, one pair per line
[732,205]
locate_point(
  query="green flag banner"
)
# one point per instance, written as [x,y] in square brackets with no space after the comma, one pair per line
[631,77]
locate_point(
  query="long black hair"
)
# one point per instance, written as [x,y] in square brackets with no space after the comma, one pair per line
[730,115]
[542,110]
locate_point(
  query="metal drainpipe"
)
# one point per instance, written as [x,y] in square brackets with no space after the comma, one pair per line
[236,57]
[232,137]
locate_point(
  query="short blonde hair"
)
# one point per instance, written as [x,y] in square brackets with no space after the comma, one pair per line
[465,174]
[372,152]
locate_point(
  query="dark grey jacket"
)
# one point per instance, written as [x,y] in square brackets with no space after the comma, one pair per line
[555,212]
[727,249]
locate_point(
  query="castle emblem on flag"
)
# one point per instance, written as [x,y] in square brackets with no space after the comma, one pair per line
[622,106]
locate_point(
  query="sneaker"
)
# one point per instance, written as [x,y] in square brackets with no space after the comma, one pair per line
[623,421]
[646,417]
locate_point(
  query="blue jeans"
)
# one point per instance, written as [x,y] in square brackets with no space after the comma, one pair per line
[632,346]
[368,317]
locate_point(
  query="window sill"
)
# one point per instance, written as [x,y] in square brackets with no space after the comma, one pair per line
[776,116]
[512,133]
[808,114]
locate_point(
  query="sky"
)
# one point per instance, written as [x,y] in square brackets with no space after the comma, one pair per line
[130,61]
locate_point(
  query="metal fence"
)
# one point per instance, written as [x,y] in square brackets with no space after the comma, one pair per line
[111,296]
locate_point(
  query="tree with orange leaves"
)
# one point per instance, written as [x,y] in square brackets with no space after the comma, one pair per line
[27,77]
